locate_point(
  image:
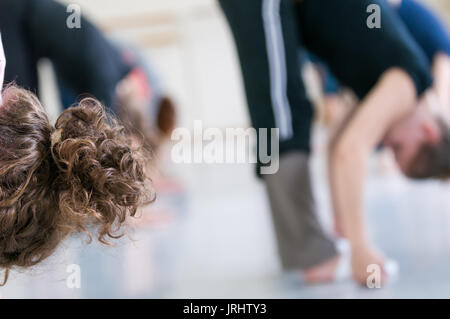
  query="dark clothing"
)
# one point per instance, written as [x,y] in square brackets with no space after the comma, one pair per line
[337,33]
[425,27]
[83,59]
[267,41]
[21,62]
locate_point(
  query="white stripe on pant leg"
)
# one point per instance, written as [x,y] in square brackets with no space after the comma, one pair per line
[277,67]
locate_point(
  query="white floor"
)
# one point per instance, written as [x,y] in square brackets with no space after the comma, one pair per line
[218,242]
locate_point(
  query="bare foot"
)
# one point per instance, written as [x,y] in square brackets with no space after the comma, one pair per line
[322,273]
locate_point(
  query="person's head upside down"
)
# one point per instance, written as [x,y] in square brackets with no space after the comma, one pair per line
[80,176]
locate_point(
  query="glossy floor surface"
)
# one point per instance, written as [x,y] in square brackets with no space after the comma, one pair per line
[210,236]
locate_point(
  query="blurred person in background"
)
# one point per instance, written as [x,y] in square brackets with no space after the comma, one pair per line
[391,75]
[432,36]
[86,63]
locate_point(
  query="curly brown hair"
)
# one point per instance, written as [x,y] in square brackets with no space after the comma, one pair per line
[81,176]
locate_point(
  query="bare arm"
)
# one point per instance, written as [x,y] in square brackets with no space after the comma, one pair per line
[392,98]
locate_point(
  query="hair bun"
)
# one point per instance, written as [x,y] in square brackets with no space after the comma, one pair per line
[81,176]
[101,178]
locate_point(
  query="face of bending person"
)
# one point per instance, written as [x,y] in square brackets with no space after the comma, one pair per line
[407,137]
